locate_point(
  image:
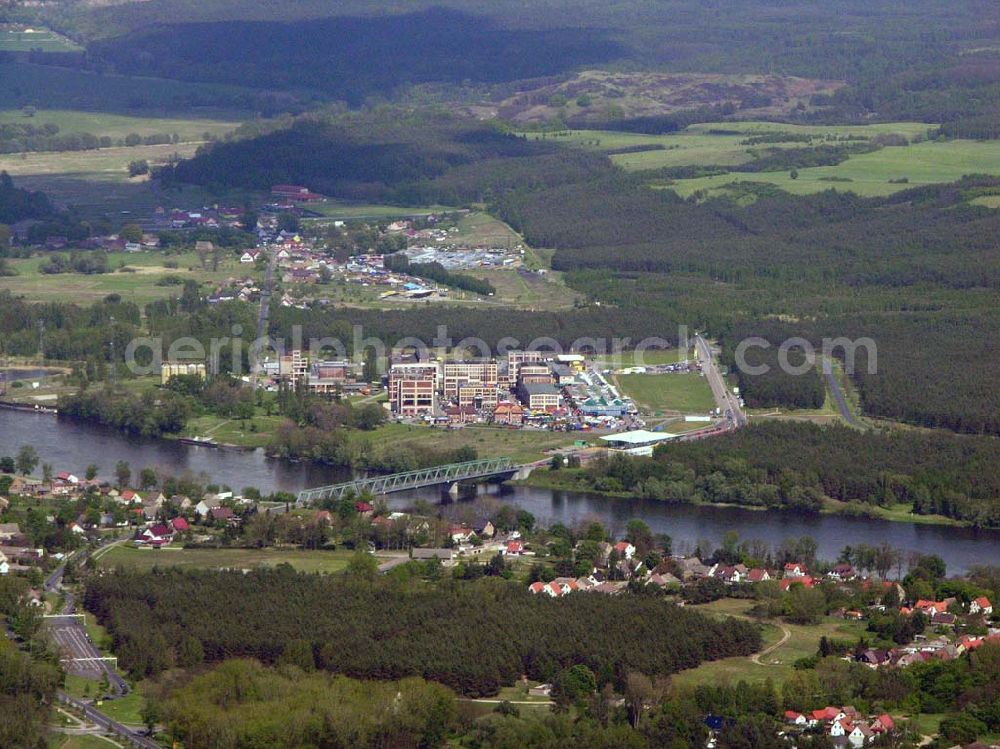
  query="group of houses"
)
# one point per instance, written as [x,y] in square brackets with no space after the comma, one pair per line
[845,726]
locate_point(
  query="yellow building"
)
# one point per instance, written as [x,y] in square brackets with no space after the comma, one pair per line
[176,369]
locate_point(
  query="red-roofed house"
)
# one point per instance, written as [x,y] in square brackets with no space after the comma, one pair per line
[795,569]
[795,718]
[180,525]
[758,575]
[222,513]
[981,605]
[625,549]
[363,508]
[514,548]
[786,582]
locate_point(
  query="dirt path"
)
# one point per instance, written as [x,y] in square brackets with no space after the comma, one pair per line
[785,634]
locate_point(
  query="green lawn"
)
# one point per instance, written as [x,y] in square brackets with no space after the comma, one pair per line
[145,559]
[681,392]
[334,209]
[127,709]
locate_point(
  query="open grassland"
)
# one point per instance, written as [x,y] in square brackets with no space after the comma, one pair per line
[527,290]
[719,143]
[118,126]
[521,445]
[683,393]
[776,664]
[878,173]
[139,285]
[37,38]
[84,741]
[649,357]
[143,560]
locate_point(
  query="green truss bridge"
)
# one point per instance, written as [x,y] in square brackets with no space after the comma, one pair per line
[452,473]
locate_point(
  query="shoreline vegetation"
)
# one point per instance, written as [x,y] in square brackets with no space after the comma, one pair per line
[564,480]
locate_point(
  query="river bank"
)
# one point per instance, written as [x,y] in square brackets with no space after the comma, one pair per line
[567,479]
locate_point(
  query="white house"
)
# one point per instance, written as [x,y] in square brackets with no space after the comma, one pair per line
[794,569]
[249,257]
[981,605]
[625,549]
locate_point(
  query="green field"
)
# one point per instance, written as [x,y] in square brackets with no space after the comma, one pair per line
[118,126]
[144,560]
[777,664]
[35,38]
[869,174]
[697,144]
[684,393]
[84,741]
[521,445]
[139,286]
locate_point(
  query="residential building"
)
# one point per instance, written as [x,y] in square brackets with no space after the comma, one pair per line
[413,396]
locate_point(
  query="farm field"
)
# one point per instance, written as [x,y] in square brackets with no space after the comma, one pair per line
[139,286]
[526,290]
[717,143]
[118,126]
[777,664]
[869,174]
[684,393]
[340,210]
[144,560]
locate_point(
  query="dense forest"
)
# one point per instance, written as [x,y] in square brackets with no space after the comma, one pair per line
[335,55]
[795,465]
[472,637]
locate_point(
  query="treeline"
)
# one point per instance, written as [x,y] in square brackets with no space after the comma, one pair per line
[437,272]
[472,637]
[21,137]
[796,465]
[148,415]
[87,263]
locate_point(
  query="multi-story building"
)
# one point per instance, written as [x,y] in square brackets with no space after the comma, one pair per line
[456,374]
[414,396]
[516,358]
[539,396]
[482,397]
[413,369]
[534,374]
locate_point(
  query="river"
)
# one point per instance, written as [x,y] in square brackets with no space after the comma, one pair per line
[71,446]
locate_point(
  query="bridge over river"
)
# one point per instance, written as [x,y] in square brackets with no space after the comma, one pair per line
[452,473]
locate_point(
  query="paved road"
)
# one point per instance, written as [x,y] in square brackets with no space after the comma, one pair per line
[838,396]
[108,724]
[724,398]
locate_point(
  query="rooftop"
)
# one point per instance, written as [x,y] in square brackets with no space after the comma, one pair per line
[638,437]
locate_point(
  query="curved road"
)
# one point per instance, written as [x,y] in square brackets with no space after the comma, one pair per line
[108,724]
